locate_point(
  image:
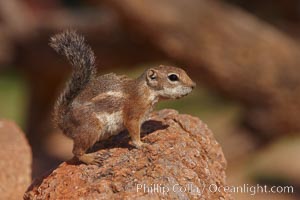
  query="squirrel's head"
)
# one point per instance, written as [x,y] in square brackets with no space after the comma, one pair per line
[169,82]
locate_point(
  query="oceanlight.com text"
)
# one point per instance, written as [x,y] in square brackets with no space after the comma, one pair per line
[212,188]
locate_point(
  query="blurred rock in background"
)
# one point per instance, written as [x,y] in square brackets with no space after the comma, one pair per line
[15,165]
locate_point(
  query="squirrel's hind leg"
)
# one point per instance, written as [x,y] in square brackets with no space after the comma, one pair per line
[88,135]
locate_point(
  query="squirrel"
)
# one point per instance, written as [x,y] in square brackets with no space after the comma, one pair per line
[92,108]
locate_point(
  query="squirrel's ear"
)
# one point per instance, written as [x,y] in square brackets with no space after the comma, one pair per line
[151,74]
[151,77]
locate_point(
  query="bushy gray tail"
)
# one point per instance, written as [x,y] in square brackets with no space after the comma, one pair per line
[82,58]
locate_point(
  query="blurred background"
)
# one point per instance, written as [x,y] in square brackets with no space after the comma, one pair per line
[244,56]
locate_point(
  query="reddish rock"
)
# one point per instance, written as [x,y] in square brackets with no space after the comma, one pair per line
[15,165]
[182,155]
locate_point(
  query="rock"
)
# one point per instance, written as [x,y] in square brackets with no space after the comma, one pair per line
[15,165]
[180,162]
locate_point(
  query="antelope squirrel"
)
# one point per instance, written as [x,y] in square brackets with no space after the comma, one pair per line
[92,108]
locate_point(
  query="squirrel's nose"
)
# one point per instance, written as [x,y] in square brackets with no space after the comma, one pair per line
[193,85]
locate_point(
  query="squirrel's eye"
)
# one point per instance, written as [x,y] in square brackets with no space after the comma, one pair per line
[173,77]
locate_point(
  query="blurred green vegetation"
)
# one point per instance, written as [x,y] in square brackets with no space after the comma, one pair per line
[13,97]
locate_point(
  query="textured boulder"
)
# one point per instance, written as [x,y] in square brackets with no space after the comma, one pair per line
[15,165]
[181,162]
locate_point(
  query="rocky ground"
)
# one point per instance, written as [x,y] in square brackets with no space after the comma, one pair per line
[182,160]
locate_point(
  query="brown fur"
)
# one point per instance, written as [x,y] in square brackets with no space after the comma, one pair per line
[105,105]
